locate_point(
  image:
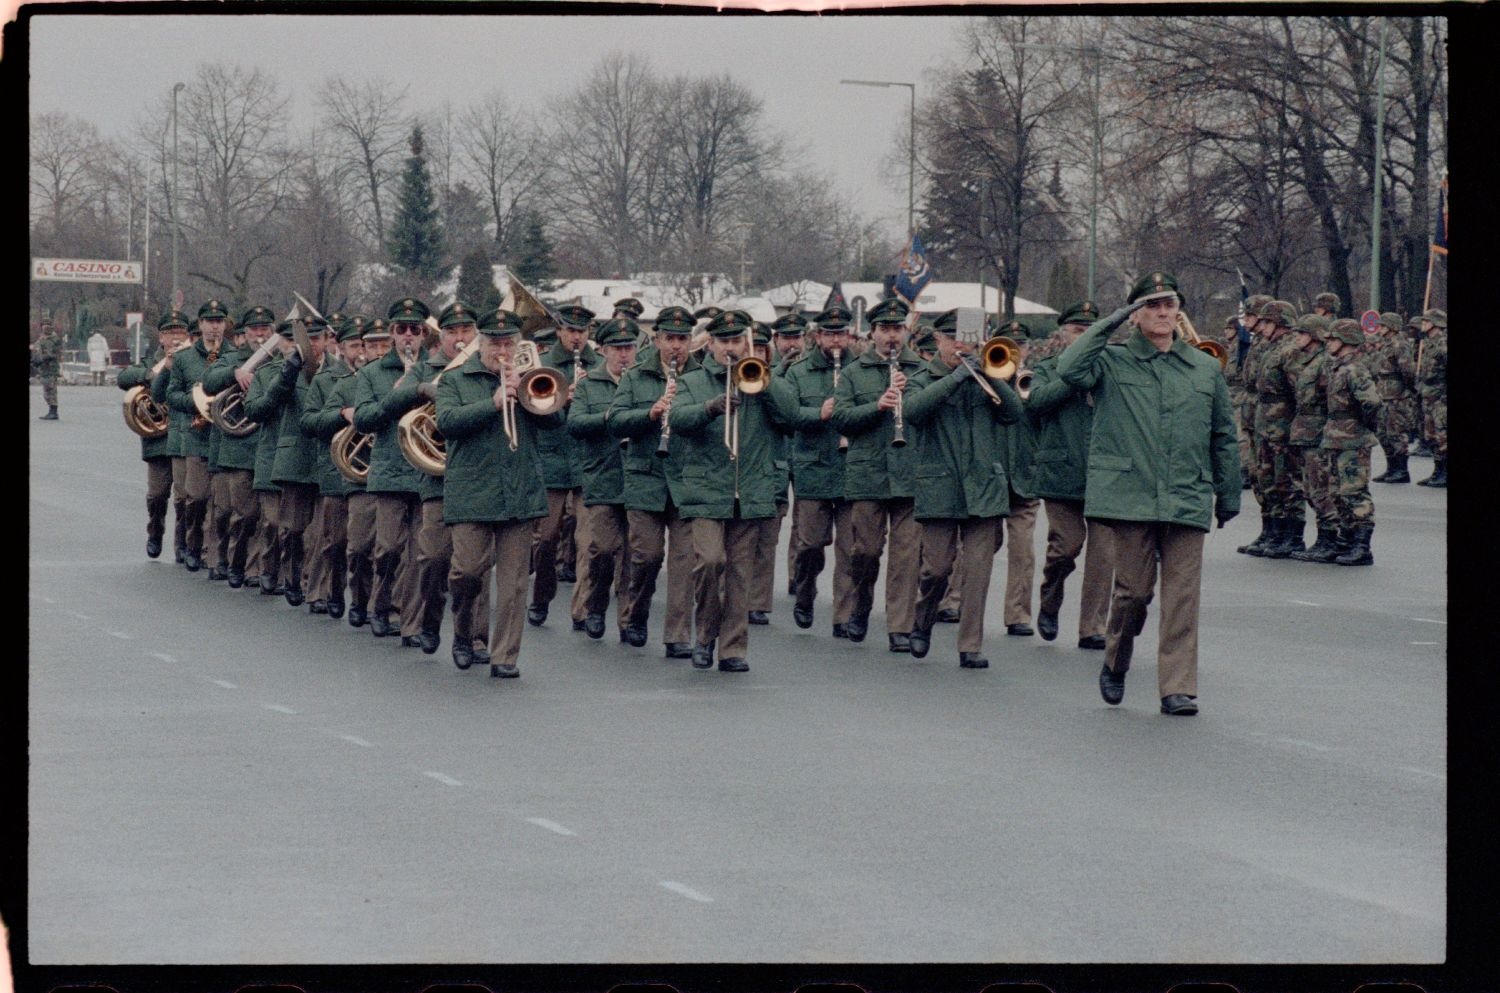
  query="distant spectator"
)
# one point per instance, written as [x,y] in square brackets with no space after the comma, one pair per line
[98,357]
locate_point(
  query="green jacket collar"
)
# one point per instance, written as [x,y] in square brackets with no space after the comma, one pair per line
[871,356]
[1142,348]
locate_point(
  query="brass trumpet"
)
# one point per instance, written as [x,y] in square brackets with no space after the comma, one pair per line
[1213,348]
[749,376]
[1023,383]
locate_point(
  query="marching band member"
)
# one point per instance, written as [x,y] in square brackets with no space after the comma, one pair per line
[171,334]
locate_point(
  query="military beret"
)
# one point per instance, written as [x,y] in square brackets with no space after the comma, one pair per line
[1082,312]
[1328,301]
[620,331]
[791,324]
[760,333]
[457,312]
[629,305]
[833,318]
[1439,318]
[256,315]
[674,320]
[351,328]
[575,317]
[1283,313]
[171,319]
[947,322]
[1313,324]
[500,324]
[1155,285]
[707,313]
[376,329]
[408,310]
[730,324]
[1016,330]
[213,309]
[891,311]
[1391,320]
[1347,331]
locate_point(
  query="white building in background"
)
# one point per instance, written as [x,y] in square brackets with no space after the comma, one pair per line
[935,297]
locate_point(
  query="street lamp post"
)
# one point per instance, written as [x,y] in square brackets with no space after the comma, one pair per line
[1094,53]
[1379,148]
[911,178]
[175,90]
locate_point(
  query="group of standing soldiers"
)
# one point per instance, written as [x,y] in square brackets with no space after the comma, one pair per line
[1313,394]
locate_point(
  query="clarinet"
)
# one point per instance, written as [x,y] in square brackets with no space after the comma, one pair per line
[666,425]
[838,361]
[898,434]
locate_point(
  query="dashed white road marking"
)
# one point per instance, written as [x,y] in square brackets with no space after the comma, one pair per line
[164,656]
[1422,772]
[362,743]
[686,891]
[1429,620]
[445,780]
[119,634]
[74,613]
[279,708]
[44,599]
[552,826]
[1306,744]
[1424,643]
[1305,603]
[226,684]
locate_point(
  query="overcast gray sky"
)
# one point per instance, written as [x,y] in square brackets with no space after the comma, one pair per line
[108,68]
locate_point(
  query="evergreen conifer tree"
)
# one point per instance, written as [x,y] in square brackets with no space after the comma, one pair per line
[416,238]
[476,279]
[533,263]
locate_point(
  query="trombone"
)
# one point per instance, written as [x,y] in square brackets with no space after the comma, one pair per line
[998,358]
[749,376]
[1213,348]
[541,390]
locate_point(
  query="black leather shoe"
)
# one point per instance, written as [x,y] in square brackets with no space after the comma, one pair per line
[948,615]
[841,630]
[1111,685]
[536,615]
[358,617]
[565,574]
[733,665]
[253,582]
[634,635]
[1179,705]
[593,626]
[267,586]
[317,606]
[759,617]
[504,670]
[804,618]
[381,626]
[577,625]
[463,655]
[679,650]
[153,547]
[235,578]
[218,572]
[900,643]
[335,609]
[703,656]
[429,641]
[191,562]
[919,642]
[179,555]
[410,641]
[481,654]
[1094,642]
[1019,630]
[294,595]
[972,660]
[857,628]
[1046,625]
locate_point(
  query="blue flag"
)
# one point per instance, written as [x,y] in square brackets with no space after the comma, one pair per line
[913,273]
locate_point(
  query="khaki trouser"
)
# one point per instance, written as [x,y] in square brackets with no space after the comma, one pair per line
[197,488]
[158,494]
[479,548]
[360,549]
[980,536]
[763,581]
[216,522]
[297,501]
[652,536]
[603,563]
[1020,558]
[266,551]
[548,531]
[329,561]
[954,596]
[243,511]
[313,537]
[434,565]
[869,520]
[1067,533]
[179,502]
[819,523]
[397,517]
[723,558]
[1137,546]
[570,544]
[619,571]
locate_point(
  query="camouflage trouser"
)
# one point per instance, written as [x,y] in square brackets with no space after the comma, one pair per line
[1351,476]
[1435,427]
[49,390]
[1397,420]
[1317,482]
[1280,477]
[1249,451]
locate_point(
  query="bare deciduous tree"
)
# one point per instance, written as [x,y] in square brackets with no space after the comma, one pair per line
[371,124]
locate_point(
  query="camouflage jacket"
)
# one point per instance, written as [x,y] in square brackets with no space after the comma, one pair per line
[1393,367]
[1312,402]
[1275,401]
[47,355]
[1249,372]
[1432,377]
[1353,404]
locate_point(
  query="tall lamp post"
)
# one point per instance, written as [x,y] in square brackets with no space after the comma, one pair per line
[175,90]
[911,181]
[1379,148]
[1094,53]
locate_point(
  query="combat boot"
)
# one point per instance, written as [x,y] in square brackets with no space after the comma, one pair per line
[1267,529]
[1290,541]
[1395,473]
[1359,546]
[1324,549]
[51,414]
[1439,477]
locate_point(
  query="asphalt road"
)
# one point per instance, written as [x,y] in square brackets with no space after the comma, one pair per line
[218,777]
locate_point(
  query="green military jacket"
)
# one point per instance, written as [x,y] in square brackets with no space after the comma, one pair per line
[1393,367]
[139,374]
[629,419]
[816,463]
[1275,390]
[706,482]
[1312,402]
[599,452]
[296,453]
[314,421]
[1164,444]
[483,480]
[561,466]
[873,470]
[404,398]
[1020,455]
[1353,405]
[188,367]
[374,385]
[962,468]
[1063,419]
[330,420]
[230,452]
[177,421]
[1432,377]
[268,419]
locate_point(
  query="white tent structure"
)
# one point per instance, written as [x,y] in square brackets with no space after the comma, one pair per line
[935,297]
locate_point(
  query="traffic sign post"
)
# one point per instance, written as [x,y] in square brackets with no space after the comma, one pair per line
[1369,321]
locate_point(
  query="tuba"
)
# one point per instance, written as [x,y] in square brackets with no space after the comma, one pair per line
[226,408]
[1213,348]
[350,453]
[417,433]
[144,415]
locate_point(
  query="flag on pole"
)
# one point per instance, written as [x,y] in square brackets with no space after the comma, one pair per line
[836,298]
[1440,242]
[1242,339]
[913,273]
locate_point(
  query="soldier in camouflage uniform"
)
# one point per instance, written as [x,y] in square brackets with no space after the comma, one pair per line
[1326,305]
[1307,437]
[1432,387]
[1240,375]
[1280,477]
[1353,411]
[46,358]
[1393,366]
